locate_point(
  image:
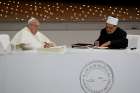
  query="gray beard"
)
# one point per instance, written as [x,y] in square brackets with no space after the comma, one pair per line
[110,32]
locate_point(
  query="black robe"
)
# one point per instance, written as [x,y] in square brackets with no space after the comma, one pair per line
[118,38]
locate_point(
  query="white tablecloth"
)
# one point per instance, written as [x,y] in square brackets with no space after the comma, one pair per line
[32,72]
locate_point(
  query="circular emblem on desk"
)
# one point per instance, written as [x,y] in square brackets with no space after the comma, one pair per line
[96,77]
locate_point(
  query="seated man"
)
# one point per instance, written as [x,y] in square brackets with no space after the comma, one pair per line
[112,36]
[29,37]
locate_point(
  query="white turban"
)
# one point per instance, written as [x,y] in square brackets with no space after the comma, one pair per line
[112,20]
[32,19]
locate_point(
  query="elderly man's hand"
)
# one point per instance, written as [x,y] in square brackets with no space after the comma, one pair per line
[106,44]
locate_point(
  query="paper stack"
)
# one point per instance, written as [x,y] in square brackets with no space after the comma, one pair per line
[56,49]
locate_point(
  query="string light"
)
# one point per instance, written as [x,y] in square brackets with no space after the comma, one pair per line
[1,15]
[90,9]
[5,16]
[56,18]
[82,19]
[83,5]
[17,18]
[88,12]
[112,13]
[44,19]
[62,19]
[72,9]
[21,11]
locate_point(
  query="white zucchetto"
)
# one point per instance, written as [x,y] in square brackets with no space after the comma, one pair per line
[32,19]
[112,20]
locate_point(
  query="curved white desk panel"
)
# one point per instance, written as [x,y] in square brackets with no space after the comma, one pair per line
[60,73]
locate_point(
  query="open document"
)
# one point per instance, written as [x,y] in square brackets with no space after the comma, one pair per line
[56,49]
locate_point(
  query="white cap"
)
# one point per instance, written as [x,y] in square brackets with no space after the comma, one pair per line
[112,20]
[32,19]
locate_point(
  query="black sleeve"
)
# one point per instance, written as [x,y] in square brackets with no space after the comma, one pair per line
[99,38]
[102,38]
[121,41]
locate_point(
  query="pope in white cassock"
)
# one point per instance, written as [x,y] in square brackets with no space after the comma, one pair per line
[29,37]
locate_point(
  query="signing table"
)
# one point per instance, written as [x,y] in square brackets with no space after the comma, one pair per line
[75,71]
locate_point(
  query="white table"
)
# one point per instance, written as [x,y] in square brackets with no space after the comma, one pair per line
[31,72]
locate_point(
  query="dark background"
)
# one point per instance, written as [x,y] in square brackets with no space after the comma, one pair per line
[99,2]
[90,2]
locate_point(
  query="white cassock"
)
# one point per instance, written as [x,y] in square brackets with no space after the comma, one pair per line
[26,37]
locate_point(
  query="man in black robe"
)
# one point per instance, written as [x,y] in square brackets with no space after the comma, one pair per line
[112,36]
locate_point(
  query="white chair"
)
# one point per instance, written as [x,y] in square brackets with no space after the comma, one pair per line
[133,41]
[5,45]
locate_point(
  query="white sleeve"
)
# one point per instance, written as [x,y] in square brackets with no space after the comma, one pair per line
[16,38]
[21,37]
[42,38]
